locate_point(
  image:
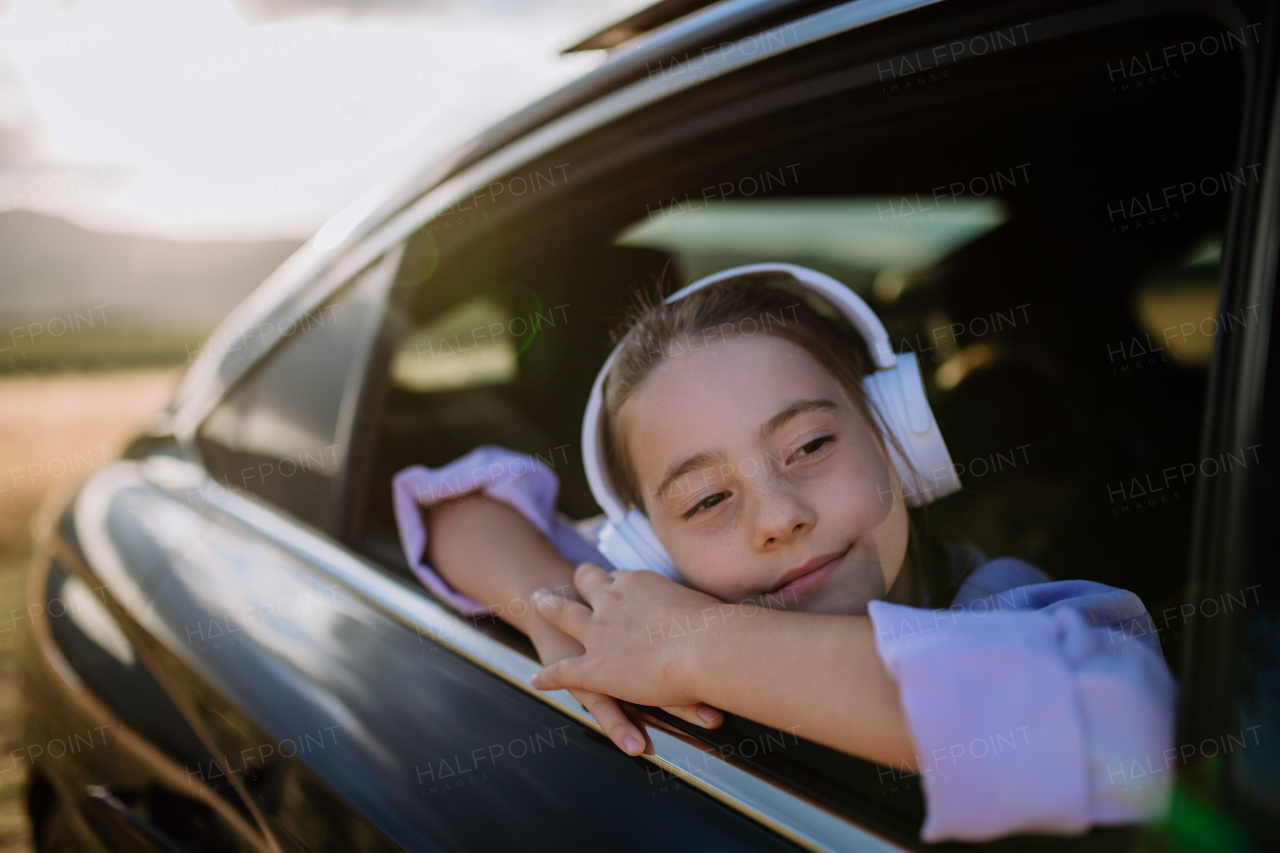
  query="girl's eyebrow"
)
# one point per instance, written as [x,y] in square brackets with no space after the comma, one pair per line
[693,463]
[799,407]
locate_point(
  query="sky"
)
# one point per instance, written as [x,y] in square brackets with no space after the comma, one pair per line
[258,119]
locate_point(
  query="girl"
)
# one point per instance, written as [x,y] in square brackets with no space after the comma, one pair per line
[744,456]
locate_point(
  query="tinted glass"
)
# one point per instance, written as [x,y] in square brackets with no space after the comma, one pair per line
[282,433]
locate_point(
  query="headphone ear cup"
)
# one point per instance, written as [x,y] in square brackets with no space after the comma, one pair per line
[630,545]
[915,444]
[617,550]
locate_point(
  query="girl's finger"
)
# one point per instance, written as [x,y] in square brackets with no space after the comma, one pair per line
[698,714]
[617,725]
[569,616]
[558,676]
[591,581]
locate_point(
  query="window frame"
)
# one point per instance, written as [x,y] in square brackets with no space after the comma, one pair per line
[1223,557]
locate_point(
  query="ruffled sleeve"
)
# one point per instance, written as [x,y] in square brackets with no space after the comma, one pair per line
[1044,708]
[522,482]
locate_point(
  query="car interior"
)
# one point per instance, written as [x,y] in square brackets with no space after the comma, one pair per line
[989,218]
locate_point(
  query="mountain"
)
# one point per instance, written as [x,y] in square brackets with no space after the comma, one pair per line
[50,268]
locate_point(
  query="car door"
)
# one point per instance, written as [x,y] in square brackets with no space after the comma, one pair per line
[318,686]
[166,557]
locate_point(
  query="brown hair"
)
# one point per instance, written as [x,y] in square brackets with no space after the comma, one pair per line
[763,303]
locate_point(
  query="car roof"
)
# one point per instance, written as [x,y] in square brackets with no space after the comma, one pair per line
[631,59]
[646,20]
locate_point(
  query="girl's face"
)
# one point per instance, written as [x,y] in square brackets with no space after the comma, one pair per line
[763,480]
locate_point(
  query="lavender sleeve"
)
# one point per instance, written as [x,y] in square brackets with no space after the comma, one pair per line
[522,482]
[1033,710]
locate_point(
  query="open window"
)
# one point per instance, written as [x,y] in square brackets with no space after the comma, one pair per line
[1018,220]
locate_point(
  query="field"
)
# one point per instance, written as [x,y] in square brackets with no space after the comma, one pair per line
[55,428]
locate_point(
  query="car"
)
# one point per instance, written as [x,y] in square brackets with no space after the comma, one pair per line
[1068,211]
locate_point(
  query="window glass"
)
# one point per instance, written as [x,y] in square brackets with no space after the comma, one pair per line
[1178,308]
[468,346]
[283,432]
[858,237]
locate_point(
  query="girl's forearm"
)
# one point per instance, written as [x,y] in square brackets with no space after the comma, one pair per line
[816,676]
[492,554]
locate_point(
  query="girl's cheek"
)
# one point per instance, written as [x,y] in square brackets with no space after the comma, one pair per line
[868,465]
[892,537]
[880,492]
[863,499]
[875,501]
[871,510]
[713,564]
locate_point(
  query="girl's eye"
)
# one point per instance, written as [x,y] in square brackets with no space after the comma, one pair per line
[706,503]
[812,447]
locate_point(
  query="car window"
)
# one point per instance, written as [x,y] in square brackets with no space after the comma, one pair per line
[1015,221]
[282,433]
[860,238]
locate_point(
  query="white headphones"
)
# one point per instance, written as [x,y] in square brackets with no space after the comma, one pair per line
[895,390]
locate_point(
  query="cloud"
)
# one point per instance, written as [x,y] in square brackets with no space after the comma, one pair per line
[190,122]
[20,128]
[17,148]
[274,11]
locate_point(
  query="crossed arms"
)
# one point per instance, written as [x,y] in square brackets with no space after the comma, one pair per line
[602,637]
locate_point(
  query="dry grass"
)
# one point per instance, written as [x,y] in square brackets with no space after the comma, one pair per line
[54,430]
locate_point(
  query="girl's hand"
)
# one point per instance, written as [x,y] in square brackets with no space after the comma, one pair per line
[628,735]
[490,552]
[627,633]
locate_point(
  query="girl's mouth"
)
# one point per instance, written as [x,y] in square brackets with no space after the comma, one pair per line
[808,577]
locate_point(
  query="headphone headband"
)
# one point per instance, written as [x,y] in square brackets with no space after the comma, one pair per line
[850,304]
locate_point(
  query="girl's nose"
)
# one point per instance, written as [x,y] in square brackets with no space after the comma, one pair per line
[781,517]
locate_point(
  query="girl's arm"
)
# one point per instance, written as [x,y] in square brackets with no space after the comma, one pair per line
[653,642]
[494,555]
[818,676]
[1050,710]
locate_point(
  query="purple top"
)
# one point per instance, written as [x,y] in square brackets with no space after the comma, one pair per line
[1033,706]
[1034,709]
[522,482]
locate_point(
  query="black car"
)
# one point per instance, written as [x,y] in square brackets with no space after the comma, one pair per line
[1067,209]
